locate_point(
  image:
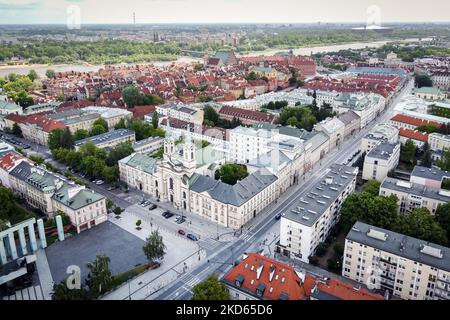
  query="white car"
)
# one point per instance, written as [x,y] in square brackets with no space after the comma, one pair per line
[99,182]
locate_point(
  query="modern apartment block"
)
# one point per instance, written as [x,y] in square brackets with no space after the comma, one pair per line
[413,195]
[380,160]
[310,219]
[380,133]
[399,265]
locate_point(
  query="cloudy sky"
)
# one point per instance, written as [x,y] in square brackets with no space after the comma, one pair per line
[173,11]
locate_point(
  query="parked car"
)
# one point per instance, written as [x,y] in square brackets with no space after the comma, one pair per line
[167,214]
[111,188]
[192,237]
[278,216]
[152,207]
[155,265]
[99,182]
[181,232]
[145,203]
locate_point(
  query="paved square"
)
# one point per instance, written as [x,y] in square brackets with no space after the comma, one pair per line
[123,248]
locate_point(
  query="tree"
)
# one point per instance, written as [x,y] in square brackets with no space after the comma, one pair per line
[50,73]
[426,160]
[62,292]
[428,128]
[100,277]
[210,114]
[97,129]
[121,124]
[408,152]
[81,134]
[154,247]
[109,203]
[372,187]
[442,216]
[131,96]
[16,130]
[110,173]
[138,224]
[120,151]
[423,81]
[444,163]
[210,289]
[23,99]
[292,121]
[419,223]
[61,138]
[102,122]
[231,173]
[155,120]
[33,75]
[117,211]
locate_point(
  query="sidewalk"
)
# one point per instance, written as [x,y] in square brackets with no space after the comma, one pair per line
[45,276]
[181,255]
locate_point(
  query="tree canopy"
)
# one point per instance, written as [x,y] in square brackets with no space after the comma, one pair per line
[61,138]
[210,289]
[231,173]
[154,247]
[100,277]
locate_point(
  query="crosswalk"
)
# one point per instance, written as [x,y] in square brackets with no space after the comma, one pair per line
[190,280]
[209,244]
[246,236]
[30,293]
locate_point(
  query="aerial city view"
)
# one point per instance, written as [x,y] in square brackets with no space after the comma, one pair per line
[226,150]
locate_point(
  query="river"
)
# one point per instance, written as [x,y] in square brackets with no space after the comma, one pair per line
[40,69]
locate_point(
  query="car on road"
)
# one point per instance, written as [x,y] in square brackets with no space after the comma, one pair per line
[110,188]
[180,231]
[167,214]
[152,207]
[25,146]
[155,265]
[278,216]
[192,237]
[145,203]
[99,182]
[180,220]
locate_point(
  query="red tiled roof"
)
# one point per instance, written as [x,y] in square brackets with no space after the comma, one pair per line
[42,121]
[284,279]
[246,114]
[8,160]
[140,111]
[413,120]
[413,134]
[279,279]
[346,291]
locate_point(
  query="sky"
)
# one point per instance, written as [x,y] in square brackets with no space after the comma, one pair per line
[219,11]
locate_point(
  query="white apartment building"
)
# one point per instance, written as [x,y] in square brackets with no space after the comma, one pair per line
[413,195]
[380,133]
[441,80]
[149,145]
[326,97]
[399,265]
[333,128]
[310,219]
[380,160]
[366,105]
[438,141]
[181,112]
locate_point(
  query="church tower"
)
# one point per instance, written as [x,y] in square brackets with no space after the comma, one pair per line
[189,152]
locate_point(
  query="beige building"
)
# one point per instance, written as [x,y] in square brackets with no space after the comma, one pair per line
[49,193]
[380,133]
[398,265]
[333,128]
[438,141]
[413,195]
[430,93]
[380,160]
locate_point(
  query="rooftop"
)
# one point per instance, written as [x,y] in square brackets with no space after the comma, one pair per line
[107,136]
[140,161]
[427,253]
[416,189]
[383,150]
[430,173]
[313,202]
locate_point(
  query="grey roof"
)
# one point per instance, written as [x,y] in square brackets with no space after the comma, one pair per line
[371,70]
[7,105]
[288,131]
[235,195]
[223,55]
[383,150]
[317,140]
[22,170]
[107,136]
[348,117]
[404,246]
[273,159]
[416,189]
[140,161]
[430,173]
[81,199]
[313,202]
[149,140]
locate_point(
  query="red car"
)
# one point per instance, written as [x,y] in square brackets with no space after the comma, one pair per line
[181,232]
